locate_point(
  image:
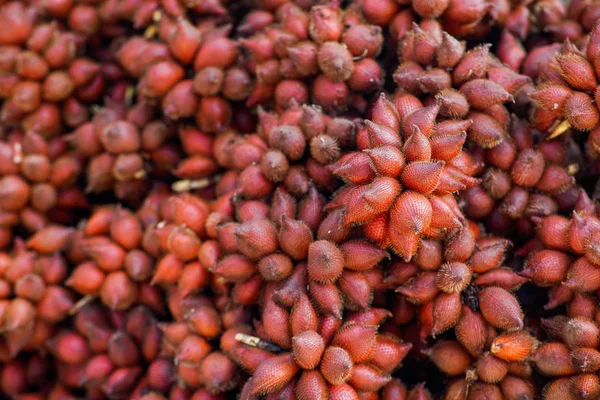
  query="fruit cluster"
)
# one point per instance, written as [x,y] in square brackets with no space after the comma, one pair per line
[299,199]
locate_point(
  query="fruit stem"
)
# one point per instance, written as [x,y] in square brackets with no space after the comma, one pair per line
[254,341]
[185,185]
[559,130]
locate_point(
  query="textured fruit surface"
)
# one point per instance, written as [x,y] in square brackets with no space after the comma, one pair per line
[299,199]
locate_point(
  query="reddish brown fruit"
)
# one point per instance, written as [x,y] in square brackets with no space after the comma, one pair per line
[491,369]
[273,374]
[547,267]
[581,332]
[360,351]
[481,390]
[581,112]
[275,267]
[453,277]
[500,308]
[307,349]
[335,61]
[486,131]
[289,140]
[513,346]
[586,360]
[50,239]
[367,378]
[336,365]
[360,255]
[483,93]
[325,261]
[471,331]
[312,385]
[294,237]
[450,357]
[118,291]
[411,213]
[204,320]
[559,389]
[577,71]
[218,373]
[256,238]
[342,392]
[446,312]
[553,359]
[86,279]
[122,350]
[586,386]
[303,316]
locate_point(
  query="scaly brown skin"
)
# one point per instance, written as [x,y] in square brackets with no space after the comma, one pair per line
[467,85]
[564,257]
[269,216]
[325,356]
[460,284]
[399,186]
[276,244]
[570,358]
[46,84]
[266,250]
[460,278]
[35,298]
[567,93]
[471,19]
[501,372]
[334,47]
[525,177]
